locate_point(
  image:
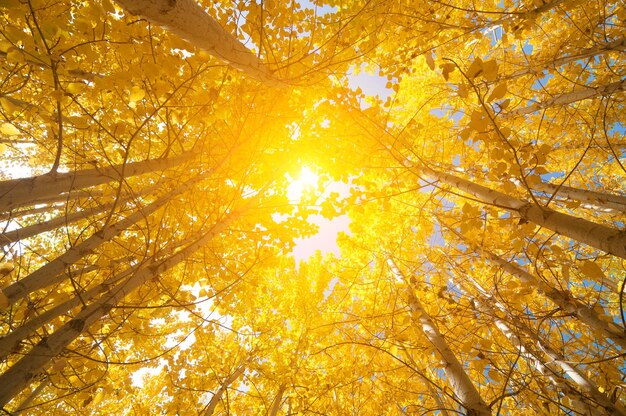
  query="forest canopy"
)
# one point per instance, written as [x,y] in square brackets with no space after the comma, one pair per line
[160,160]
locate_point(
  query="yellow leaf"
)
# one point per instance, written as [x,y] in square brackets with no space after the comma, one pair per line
[9,129]
[463,92]
[15,56]
[98,398]
[475,69]
[56,95]
[498,92]
[490,70]
[478,122]
[566,402]
[494,375]
[136,94]
[75,87]
[501,168]
[465,134]
[9,106]
[108,6]
[506,132]
[591,270]
[79,122]
[446,69]
[430,61]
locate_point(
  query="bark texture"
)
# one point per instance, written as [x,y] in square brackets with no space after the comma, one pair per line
[217,396]
[600,236]
[26,191]
[571,97]
[186,19]
[599,199]
[459,380]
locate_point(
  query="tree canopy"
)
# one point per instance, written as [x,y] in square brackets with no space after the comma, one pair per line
[161,159]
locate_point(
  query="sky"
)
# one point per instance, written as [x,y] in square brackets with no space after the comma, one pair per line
[326,238]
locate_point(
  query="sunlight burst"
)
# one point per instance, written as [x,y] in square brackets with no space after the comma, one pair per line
[307,180]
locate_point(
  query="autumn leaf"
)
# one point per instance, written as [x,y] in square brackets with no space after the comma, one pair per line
[446,69]
[498,92]
[478,121]
[147,209]
[429,60]
[591,270]
[75,87]
[9,129]
[136,94]
[463,91]
[475,69]
[490,70]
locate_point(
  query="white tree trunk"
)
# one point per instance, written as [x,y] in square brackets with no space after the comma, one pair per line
[64,220]
[605,238]
[26,191]
[571,97]
[52,272]
[277,401]
[217,396]
[598,199]
[429,385]
[9,341]
[18,376]
[600,49]
[457,377]
[50,203]
[187,19]
[31,397]
[584,384]
[564,299]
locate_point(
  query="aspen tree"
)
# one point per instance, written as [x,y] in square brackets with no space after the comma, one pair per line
[26,191]
[21,373]
[217,396]
[51,272]
[484,302]
[458,378]
[188,20]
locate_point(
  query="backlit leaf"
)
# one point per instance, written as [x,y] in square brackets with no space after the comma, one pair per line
[591,270]
[9,129]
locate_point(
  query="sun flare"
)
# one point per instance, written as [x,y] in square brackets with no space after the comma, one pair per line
[307,180]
